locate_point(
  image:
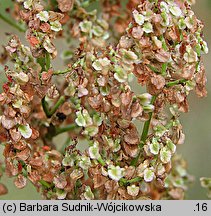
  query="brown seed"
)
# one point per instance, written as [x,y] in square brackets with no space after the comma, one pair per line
[60,181]
[15,134]
[137,32]
[24,155]
[130,150]
[34,176]
[20,181]
[136,110]
[36,162]
[65,5]
[99,180]
[3,189]
[8,123]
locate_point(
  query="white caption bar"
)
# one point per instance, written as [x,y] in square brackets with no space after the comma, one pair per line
[133,208]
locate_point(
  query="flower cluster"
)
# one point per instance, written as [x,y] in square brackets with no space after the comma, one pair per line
[96,104]
[42,27]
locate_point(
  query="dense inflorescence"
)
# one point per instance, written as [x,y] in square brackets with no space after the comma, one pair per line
[96,105]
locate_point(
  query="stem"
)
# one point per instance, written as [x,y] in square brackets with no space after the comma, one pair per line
[41,62]
[101,161]
[45,107]
[147,124]
[131,181]
[62,72]
[155,70]
[47,61]
[144,134]
[173,83]
[165,47]
[45,184]
[48,112]
[134,180]
[57,105]
[164,68]
[53,131]
[66,128]
[12,23]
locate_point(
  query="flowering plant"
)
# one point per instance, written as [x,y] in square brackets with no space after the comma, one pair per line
[156,43]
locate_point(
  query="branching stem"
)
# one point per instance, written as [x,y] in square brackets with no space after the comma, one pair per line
[48,112]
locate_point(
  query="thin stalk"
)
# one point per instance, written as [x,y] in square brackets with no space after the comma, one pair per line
[45,107]
[101,161]
[66,128]
[165,47]
[155,70]
[45,184]
[131,181]
[48,112]
[47,61]
[53,131]
[147,124]
[164,68]
[62,72]
[57,105]
[176,82]
[12,23]
[144,134]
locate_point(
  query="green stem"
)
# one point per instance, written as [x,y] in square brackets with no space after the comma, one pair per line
[176,82]
[45,184]
[101,161]
[62,72]
[144,134]
[125,182]
[53,131]
[47,61]
[45,107]
[165,47]
[57,105]
[66,128]
[12,23]
[147,124]
[41,62]
[164,68]
[155,70]
[48,112]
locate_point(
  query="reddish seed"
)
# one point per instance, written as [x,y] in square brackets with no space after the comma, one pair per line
[46,148]
[20,167]
[10,78]
[5,87]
